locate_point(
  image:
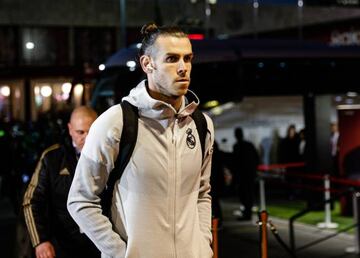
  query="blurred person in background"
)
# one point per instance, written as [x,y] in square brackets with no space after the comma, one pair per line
[334,148]
[289,146]
[52,231]
[245,160]
[6,162]
[302,145]
[217,181]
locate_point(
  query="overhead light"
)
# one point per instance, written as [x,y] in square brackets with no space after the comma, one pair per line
[66,87]
[29,45]
[5,91]
[131,64]
[338,98]
[46,91]
[351,94]
[78,89]
[101,67]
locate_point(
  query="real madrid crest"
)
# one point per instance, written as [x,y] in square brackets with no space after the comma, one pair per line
[190,139]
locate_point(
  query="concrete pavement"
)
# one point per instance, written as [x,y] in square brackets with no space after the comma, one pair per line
[237,239]
[241,239]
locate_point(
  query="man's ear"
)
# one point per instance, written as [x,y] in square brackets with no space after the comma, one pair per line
[69,127]
[145,63]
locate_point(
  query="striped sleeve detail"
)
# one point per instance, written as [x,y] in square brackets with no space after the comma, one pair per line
[28,213]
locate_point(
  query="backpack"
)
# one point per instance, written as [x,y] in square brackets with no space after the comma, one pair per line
[127,145]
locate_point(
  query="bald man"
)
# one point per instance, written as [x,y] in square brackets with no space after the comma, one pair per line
[53,232]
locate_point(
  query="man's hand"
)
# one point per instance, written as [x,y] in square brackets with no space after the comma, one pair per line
[45,250]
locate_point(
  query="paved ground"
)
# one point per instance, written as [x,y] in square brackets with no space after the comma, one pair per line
[237,239]
[241,239]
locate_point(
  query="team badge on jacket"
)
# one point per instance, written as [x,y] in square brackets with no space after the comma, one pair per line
[190,139]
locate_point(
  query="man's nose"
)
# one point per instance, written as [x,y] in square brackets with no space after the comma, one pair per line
[182,69]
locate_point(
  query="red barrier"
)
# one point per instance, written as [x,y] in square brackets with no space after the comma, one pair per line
[311,188]
[274,169]
[263,167]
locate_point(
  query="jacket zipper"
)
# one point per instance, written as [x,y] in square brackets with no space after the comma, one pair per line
[175,134]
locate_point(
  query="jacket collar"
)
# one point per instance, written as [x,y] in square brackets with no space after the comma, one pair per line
[157,109]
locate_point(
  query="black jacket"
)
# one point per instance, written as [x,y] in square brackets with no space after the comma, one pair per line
[45,208]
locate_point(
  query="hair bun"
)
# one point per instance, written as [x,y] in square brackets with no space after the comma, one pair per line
[149,29]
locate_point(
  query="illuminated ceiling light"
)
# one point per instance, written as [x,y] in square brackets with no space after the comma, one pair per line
[46,91]
[131,64]
[30,45]
[351,94]
[101,67]
[300,3]
[66,87]
[211,104]
[78,89]
[5,91]
[256,4]
[338,98]
[212,1]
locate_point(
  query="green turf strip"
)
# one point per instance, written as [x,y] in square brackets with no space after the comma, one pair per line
[286,210]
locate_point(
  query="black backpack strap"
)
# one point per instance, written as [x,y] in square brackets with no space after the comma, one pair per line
[126,147]
[128,136]
[201,127]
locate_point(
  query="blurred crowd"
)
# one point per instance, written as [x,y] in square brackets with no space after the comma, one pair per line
[21,143]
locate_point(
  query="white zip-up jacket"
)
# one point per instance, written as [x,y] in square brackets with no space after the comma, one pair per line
[161,206]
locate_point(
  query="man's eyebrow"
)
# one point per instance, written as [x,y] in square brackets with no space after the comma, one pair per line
[177,54]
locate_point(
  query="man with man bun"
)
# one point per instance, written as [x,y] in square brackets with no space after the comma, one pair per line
[161,206]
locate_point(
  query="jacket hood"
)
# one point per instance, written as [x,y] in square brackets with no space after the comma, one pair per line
[157,109]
